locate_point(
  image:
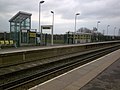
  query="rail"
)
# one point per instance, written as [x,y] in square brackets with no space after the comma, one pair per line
[57,68]
[30,55]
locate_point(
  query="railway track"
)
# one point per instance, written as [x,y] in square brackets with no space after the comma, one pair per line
[30,77]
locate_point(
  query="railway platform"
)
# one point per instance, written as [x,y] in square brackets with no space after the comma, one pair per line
[32,48]
[20,49]
[77,78]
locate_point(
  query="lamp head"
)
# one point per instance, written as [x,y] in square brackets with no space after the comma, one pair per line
[77,13]
[98,22]
[52,12]
[42,1]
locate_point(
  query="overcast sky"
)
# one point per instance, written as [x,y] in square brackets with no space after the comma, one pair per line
[91,11]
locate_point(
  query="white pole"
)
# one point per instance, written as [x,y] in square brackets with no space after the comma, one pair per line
[52,28]
[39,20]
[75,26]
[114,30]
[107,29]
[97,25]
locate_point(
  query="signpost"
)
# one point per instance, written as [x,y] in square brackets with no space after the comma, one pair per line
[47,27]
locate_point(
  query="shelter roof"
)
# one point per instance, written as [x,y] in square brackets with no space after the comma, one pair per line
[20,16]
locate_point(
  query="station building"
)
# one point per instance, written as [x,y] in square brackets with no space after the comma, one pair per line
[84,36]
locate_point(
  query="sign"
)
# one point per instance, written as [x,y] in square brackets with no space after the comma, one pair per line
[2,42]
[6,42]
[46,26]
[32,34]
[33,30]
[25,31]
[11,42]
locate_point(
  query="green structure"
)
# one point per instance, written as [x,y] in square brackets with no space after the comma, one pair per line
[20,26]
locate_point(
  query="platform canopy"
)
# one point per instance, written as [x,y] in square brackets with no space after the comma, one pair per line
[20,16]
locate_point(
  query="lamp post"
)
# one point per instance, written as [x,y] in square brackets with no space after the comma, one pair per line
[52,28]
[119,32]
[107,28]
[97,38]
[39,19]
[97,25]
[114,30]
[75,25]
[103,32]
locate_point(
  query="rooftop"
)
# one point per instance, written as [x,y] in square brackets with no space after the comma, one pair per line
[20,16]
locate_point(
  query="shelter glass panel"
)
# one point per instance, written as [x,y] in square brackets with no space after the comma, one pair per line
[20,21]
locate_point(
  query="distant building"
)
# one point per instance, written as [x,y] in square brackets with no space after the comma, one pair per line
[84,35]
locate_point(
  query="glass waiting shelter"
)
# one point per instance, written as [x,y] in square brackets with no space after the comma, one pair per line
[20,25]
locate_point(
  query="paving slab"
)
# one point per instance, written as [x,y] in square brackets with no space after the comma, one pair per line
[107,80]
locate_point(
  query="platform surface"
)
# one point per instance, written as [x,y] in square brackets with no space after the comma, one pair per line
[20,49]
[78,77]
[23,49]
[107,80]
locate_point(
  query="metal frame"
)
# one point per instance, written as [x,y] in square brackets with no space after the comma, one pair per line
[49,27]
